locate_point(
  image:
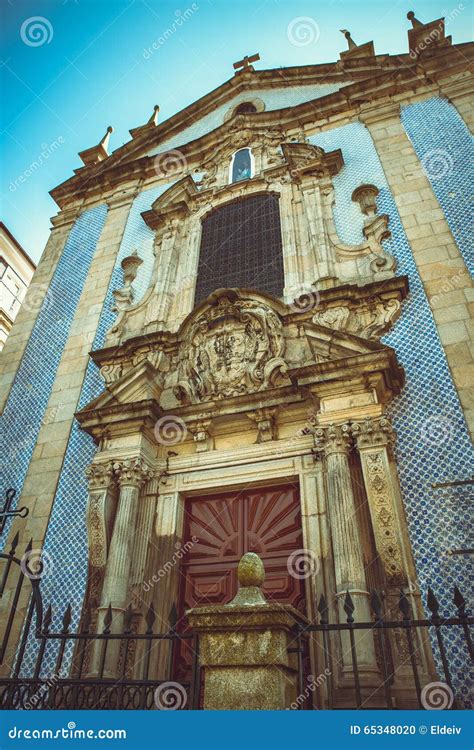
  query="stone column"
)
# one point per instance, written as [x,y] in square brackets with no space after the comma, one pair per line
[335,442]
[244,647]
[131,473]
[163,574]
[141,542]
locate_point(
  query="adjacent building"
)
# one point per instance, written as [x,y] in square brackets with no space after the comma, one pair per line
[16,271]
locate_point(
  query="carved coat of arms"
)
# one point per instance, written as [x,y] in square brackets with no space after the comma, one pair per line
[234,347]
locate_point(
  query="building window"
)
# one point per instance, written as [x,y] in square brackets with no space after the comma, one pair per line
[241,165]
[246,108]
[241,246]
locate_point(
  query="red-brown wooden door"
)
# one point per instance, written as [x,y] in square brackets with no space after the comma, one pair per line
[262,520]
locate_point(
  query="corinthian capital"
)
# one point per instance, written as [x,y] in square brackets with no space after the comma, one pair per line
[373,432]
[132,472]
[100,476]
[336,438]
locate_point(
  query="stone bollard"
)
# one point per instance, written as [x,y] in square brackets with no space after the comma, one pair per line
[244,647]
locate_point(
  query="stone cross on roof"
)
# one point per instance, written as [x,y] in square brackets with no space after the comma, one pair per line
[245,63]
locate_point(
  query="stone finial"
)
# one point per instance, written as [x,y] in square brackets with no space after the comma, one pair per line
[124,296]
[414,21]
[130,265]
[154,118]
[105,140]
[350,42]
[97,153]
[251,575]
[151,123]
[365,196]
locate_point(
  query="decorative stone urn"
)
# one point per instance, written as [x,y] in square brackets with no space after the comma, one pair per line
[244,647]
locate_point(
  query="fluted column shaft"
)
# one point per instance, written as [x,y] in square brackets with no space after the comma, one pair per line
[130,474]
[335,442]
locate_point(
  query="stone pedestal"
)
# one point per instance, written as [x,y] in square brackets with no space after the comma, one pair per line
[244,647]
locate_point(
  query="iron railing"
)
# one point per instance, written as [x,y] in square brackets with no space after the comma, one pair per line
[70,669]
[359,696]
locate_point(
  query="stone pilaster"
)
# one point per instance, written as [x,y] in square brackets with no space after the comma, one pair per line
[334,442]
[17,340]
[374,438]
[442,269]
[99,512]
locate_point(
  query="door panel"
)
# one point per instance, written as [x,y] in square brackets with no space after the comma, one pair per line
[262,520]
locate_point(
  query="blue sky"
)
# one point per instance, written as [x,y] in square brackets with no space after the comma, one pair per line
[59,96]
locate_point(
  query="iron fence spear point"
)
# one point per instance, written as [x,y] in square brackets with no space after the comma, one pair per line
[323,609]
[404,605]
[15,541]
[150,619]
[108,620]
[376,603]
[127,620]
[459,602]
[349,607]
[432,602]
[67,617]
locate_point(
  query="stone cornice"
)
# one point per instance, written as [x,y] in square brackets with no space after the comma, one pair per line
[403,76]
[396,287]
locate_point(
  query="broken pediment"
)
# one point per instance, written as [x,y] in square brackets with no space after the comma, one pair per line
[238,350]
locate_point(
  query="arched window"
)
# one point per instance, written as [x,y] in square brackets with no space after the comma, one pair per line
[241,165]
[246,108]
[241,246]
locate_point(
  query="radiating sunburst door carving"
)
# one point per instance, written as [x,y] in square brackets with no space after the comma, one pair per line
[262,520]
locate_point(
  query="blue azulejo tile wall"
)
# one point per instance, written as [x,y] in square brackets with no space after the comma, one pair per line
[445,148]
[66,538]
[433,444]
[22,418]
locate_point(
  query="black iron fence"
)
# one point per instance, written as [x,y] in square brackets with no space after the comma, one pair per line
[400,638]
[86,669]
[111,667]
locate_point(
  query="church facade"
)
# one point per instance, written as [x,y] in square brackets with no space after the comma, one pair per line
[249,332]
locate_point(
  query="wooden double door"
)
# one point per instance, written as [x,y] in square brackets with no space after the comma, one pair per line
[262,520]
[266,521]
